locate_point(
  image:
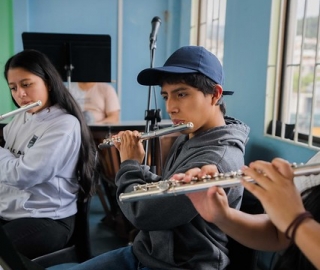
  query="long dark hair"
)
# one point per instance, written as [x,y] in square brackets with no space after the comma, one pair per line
[293,258]
[40,65]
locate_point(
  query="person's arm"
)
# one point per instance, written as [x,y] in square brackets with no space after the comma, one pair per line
[131,173]
[254,231]
[283,203]
[111,118]
[307,238]
[112,105]
[55,145]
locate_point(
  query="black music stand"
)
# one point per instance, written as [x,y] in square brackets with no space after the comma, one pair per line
[77,57]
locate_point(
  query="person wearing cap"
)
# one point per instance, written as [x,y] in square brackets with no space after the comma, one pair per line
[172,235]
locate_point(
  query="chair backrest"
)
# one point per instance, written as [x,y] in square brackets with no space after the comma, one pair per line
[81,236]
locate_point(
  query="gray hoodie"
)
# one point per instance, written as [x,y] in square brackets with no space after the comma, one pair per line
[38,165]
[172,234]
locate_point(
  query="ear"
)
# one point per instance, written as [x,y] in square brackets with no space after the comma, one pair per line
[218,91]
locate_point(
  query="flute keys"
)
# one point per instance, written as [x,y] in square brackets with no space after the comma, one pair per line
[110,141]
[223,176]
[164,185]
[296,165]
[217,176]
[145,187]
[206,178]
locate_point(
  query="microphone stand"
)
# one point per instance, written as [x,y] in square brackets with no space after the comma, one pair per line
[151,115]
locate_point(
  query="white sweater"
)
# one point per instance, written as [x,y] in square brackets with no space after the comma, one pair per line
[37,165]
[305,182]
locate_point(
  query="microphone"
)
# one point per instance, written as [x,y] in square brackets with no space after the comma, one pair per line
[156,21]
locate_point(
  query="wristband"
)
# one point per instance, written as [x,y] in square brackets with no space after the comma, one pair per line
[295,224]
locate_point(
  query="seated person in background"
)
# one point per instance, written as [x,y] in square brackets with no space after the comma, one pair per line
[172,234]
[48,158]
[98,101]
[291,222]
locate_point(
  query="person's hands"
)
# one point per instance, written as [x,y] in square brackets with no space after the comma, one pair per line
[275,190]
[211,204]
[130,145]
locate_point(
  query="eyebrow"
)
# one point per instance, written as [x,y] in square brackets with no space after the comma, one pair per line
[21,81]
[175,90]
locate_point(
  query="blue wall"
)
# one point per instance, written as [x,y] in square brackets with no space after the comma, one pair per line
[245,63]
[101,17]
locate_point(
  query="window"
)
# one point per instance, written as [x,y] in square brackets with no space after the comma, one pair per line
[207,25]
[293,84]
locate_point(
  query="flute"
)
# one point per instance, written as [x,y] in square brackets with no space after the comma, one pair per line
[21,109]
[145,136]
[173,187]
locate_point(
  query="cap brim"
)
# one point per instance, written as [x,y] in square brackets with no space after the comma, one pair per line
[227,93]
[151,76]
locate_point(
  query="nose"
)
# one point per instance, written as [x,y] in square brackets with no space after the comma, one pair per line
[171,106]
[21,93]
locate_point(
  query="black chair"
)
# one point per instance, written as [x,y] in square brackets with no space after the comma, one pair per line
[242,257]
[78,248]
[10,259]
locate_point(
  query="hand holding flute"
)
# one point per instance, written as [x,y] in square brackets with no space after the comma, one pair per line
[109,142]
[130,146]
[273,185]
[288,218]
[201,179]
[135,150]
[129,143]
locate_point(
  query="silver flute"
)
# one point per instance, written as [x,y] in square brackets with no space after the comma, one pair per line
[21,109]
[173,187]
[152,134]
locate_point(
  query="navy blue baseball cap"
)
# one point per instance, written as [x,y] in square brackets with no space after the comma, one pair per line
[187,59]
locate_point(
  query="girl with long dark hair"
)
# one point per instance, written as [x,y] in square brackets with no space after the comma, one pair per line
[48,160]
